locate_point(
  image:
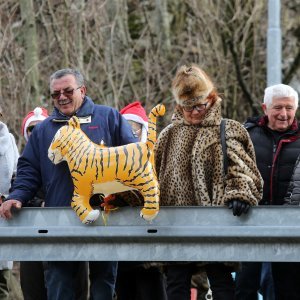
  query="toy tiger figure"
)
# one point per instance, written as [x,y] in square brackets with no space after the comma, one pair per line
[108,170]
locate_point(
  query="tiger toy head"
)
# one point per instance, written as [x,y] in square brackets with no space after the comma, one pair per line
[57,151]
[96,169]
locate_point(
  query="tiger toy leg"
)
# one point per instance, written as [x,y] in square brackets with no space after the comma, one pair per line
[151,201]
[80,204]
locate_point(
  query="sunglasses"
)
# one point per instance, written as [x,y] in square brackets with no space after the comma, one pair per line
[65,92]
[199,107]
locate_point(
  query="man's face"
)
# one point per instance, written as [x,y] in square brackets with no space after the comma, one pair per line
[136,129]
[30,127]
[281,113]
[66,94]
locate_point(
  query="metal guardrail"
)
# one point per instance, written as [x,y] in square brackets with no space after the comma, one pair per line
[177,234]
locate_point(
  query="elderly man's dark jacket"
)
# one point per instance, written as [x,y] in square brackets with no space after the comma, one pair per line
[276,154]
[293,195]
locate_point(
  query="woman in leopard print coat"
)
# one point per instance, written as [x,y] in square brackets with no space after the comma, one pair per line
[189,164]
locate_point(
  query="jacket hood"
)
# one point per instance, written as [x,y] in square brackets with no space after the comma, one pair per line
[5,139]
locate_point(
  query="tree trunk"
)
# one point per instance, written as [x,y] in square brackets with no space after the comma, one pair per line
[163,27]
[31,50]
[79,46]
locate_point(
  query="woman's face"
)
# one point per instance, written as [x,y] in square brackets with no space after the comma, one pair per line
[196,115]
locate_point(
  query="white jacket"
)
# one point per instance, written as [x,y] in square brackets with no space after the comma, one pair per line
[9,155]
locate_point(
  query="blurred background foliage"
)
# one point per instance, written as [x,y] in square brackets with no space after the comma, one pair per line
[129,50]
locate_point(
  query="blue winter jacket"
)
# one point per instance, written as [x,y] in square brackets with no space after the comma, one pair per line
[34,167]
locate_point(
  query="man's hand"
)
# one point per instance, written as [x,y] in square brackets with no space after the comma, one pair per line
[6,208]
[238,207]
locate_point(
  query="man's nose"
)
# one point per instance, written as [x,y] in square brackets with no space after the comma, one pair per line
[60,94]
[283,112]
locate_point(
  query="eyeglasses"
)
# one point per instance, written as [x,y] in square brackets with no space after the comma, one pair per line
[198,107]
[66,92]
[30,128]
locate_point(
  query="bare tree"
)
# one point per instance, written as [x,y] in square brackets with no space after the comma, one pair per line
[163,25]
[130,50]
[31,58]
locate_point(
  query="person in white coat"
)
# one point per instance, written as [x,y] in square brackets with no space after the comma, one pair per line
[9,155]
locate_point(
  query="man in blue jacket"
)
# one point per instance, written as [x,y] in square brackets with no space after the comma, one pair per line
[102,124]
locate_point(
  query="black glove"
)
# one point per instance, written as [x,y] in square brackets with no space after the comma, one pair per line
[238,207]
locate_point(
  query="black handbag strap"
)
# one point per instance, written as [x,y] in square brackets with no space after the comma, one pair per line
[224,146]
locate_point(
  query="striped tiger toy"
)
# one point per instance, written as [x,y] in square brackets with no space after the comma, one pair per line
[97,169]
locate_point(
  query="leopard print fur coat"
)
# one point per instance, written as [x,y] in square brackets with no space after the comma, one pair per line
[189,163]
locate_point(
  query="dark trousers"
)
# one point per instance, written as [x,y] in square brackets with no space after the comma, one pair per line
[286,278]
[266,282]
[134,282]
[61,279]
[254,277]
[179,281]
[247,281]
[32,280]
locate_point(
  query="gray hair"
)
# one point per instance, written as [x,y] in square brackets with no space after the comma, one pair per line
[279,91]
[63,72]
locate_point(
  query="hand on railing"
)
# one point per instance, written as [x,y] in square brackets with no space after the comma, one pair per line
[7,206]
[238,207]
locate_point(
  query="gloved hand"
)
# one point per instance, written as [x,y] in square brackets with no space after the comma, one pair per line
[238,207]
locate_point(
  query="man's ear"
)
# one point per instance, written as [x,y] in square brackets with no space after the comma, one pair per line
[83,90]
[264,108]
